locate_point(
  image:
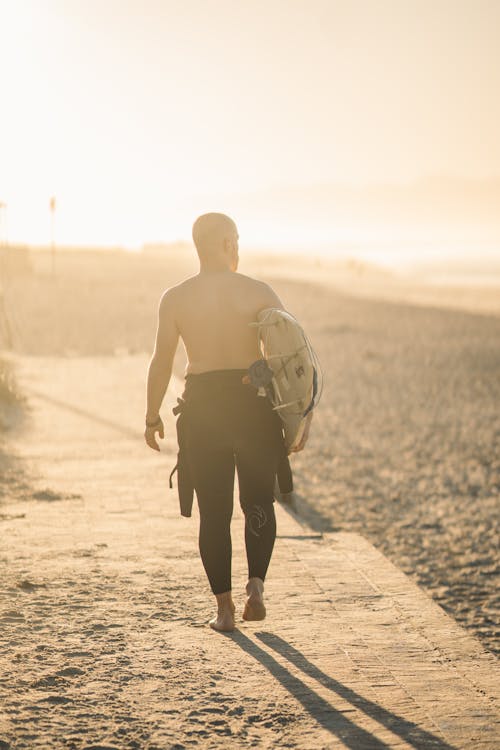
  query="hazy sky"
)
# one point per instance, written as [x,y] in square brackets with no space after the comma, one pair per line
[139,114]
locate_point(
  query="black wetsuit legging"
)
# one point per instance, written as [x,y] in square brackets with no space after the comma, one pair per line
[228,426]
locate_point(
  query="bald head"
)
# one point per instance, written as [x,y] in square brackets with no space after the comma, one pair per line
[211,232]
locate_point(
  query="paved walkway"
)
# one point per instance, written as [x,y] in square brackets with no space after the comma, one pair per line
[104,605]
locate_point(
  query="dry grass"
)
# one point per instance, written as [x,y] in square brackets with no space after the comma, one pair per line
[12,476]
[9,391]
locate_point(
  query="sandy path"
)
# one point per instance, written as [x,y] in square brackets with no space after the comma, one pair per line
[104,604]
[108,600]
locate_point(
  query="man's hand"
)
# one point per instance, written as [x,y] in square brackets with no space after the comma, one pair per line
[150,434]
[303,440]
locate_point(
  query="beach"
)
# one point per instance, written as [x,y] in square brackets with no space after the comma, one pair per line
[405,443]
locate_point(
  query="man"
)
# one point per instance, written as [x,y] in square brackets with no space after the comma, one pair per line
[226,423]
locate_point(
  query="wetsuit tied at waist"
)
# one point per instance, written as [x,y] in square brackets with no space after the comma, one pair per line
[224,424]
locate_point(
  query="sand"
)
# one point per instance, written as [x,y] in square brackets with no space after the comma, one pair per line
[405,445]
[104,607]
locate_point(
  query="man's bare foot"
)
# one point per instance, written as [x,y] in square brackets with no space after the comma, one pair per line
[254,607]
[224,620]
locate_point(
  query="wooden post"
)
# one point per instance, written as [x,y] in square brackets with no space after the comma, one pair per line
[3,225]
[52,206]
[5,329]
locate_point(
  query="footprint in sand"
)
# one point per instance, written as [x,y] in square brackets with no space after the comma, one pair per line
[49,496]
[44,682]
[12,616]
[56,699]
[70,672]
[28,586]
[10,517]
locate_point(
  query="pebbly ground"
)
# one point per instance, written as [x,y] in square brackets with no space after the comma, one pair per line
[406,443]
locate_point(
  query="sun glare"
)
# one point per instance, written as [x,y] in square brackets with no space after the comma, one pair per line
[137,133]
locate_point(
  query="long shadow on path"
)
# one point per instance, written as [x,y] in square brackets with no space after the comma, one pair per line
[330,718]
[85,413]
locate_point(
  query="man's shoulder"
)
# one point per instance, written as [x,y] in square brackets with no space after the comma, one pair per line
[264,294]
[261,286]
[177,291]
[252,281]
[259,290]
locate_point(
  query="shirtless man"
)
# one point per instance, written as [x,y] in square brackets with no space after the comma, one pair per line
[227,424]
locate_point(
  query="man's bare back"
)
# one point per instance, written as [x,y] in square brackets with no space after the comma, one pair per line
[213,312]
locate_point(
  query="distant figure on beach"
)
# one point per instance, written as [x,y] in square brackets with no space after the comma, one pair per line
[223,424]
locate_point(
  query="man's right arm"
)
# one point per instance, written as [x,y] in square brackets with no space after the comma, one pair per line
[160,367]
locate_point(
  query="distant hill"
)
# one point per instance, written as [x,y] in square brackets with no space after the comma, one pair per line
[434,207]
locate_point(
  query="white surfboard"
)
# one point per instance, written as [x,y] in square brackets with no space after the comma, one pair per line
[295,383]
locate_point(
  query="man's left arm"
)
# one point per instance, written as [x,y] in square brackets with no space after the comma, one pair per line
[160,368]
